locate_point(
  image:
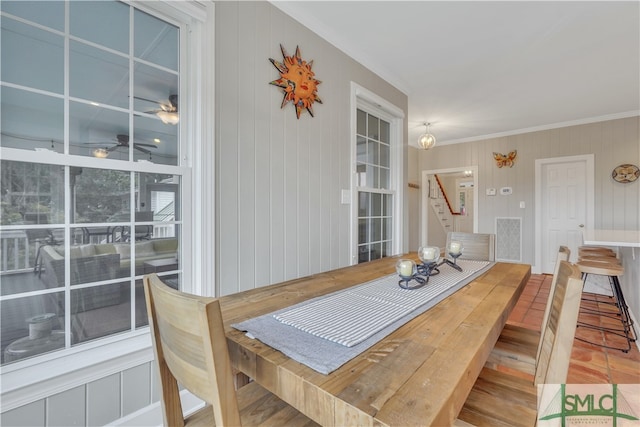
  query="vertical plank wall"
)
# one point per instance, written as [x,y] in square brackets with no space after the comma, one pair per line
[617,206]
[96,403]
[279,214]
[612,143]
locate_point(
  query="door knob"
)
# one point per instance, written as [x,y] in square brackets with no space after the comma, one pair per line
[581,226]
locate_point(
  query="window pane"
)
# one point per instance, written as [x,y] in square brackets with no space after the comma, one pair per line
[160,195]
[98,76]
[384,131]
[362,231]
[371,177]
[94,263]
[153,87]
[376,204]
[388,205]
[361,171]
[387,228]
[48,13]
[361,149]
[88,22]
[376,251]
[372,127]
[101,195]
[363,204]
[31,193]
[376,229]
[386,249]
[17,254]
[93,128]
[363,253]
[372,151]
[32,57]
[140,310]
[155,141]
[362,123]
[99,311]
[31,121]
[384,179]
[31,325]
[375,172]
[385,155]
[156,41]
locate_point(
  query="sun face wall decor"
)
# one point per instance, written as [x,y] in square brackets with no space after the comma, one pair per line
[297,81]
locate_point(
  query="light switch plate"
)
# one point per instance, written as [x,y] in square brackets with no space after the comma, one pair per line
[346,197]
[491,191]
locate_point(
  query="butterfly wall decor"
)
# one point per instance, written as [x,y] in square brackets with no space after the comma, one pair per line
[502,160]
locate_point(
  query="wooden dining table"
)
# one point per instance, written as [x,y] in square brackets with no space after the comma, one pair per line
[419,375]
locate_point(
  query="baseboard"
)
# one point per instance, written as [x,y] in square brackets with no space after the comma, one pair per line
[151,416]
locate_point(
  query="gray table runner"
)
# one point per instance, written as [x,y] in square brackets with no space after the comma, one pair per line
[326,332]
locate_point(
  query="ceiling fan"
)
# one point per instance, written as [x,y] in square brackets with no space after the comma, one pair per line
[122,141]
[167,111]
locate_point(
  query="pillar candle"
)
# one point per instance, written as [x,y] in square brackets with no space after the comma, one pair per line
[454,248]
[429,253]
[405,268]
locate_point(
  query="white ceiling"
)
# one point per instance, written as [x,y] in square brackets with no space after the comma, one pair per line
[479,69]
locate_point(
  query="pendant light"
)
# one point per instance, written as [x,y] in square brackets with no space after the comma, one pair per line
[426,140]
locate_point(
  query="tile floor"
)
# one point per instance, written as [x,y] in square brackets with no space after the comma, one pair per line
[589,363]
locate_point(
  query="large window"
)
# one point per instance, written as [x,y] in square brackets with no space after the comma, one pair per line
[91,173]
[378,166]
[375,195]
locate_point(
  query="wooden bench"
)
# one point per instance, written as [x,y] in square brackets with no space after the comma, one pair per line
[501,399]
[517,347]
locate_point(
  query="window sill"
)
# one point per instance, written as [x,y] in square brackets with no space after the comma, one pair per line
[37,378]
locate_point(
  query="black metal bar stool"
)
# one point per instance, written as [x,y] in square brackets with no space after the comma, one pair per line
[611,269]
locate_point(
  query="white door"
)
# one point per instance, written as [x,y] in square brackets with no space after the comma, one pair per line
[565,207]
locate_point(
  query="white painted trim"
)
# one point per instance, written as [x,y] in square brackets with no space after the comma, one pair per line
[589,159]
[28,382]
[585,121]
[366,95]
[152,415]
[424,196]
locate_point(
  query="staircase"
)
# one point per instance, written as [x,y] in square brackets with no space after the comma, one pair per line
[440,204]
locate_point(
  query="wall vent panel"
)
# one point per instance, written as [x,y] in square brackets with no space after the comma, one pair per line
[509,239]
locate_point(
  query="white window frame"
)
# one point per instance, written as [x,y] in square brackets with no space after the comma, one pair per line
[33,379]
[364,99]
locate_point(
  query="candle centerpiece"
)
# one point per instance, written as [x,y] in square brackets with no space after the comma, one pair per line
[429,255]
[407,271]
[454,250]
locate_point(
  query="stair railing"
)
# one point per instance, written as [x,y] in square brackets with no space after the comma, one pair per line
[444,194]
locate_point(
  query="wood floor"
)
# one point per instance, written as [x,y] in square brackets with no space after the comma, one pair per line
[590,364]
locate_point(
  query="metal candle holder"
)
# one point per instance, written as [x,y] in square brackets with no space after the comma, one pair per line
[452,264]
[408,273]
[428,269]
[455,250]
[429,255]
[420,273]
